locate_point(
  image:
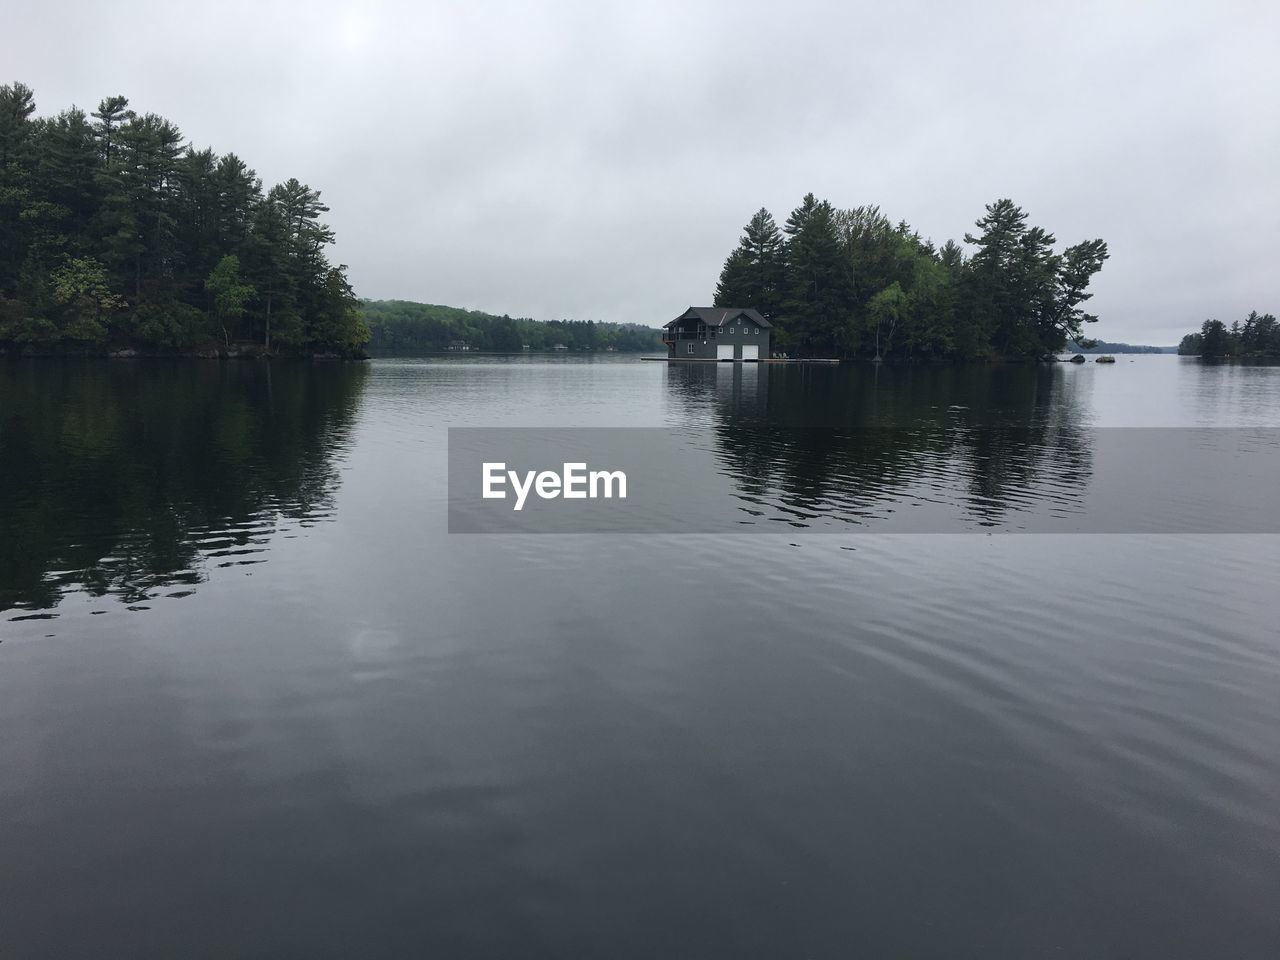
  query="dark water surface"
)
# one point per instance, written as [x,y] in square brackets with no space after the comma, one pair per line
[255,701]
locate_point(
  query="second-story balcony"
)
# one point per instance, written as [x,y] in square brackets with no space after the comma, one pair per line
[671,336]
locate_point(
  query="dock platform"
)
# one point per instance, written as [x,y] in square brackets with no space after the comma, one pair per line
[718,360]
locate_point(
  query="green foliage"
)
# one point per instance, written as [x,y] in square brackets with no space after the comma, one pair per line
[403,326]
[854,283]
[171,325]
[83,289]
[114,232]
[885,310]
[338,322]
[230,293]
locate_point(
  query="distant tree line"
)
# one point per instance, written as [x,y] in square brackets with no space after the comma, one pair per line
[401,325]
[853,283]
[1258,337]
[1105,346]
[116,233]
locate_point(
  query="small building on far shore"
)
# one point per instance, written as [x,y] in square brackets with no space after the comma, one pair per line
[718,333]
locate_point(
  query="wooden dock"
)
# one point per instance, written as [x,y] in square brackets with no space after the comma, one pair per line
[718,360]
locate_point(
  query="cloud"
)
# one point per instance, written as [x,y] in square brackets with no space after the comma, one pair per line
[597,160]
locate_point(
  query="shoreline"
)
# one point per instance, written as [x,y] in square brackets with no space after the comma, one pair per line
[131,353]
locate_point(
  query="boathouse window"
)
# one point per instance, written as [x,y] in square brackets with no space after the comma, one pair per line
[731,329]
[691,348]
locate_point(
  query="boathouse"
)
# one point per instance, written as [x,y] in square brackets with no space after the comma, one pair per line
[717,333]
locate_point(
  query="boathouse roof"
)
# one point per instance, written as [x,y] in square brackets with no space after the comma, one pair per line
[720,316]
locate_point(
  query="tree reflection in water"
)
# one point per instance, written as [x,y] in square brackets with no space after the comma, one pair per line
[130,477]
[978,443]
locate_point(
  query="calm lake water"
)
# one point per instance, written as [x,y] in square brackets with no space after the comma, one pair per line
[256,701]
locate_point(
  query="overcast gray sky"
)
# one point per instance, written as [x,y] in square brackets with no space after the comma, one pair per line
[598,161]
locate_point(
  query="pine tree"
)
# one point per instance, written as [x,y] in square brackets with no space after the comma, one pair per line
[111,113]
[17,104]
[765,259]
[990,280]
[733,289]
[755,273]
[819,281]
[1214,339]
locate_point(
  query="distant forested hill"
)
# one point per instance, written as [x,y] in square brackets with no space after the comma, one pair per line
[116,232]
[1102,346]
[397,326]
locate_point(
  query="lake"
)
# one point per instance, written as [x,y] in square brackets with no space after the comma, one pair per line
[256,700]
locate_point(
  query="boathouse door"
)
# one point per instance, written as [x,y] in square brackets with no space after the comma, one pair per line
[724,351]
[751,351]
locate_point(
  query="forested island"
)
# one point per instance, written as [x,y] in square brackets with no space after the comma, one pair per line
[118,235]
[853,283]
[1257,338]
[401,326]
